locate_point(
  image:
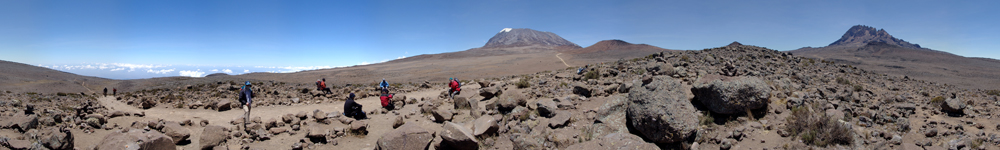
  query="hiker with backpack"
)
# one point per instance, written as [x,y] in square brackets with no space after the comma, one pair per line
[105,91]
[115,92]
[456,87]
[321,86]
[353,109]
[386,99]
[246,99]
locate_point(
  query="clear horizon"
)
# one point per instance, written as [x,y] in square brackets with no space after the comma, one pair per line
[279,36]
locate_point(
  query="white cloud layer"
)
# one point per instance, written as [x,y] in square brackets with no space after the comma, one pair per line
[162,71]
[196,73]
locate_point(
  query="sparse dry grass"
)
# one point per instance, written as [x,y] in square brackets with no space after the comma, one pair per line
[816,128]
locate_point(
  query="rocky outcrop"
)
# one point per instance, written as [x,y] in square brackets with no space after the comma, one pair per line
[953,105]
[732,95]
[213,136]
[458,137]
[176,132]
[661,111]
[617,141]
[406,137]
[136,139]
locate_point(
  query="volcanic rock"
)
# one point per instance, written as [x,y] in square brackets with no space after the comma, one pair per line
[406,137]
[212,136]
[458,137]
[661,111]
[136,139]
[731,95]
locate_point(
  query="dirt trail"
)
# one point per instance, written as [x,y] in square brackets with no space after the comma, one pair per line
[560,59]
[267,112]
[378,123]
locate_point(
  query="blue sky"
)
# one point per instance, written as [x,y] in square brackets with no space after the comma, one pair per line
[334,33]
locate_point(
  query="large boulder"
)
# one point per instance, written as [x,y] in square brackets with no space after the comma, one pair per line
[359,127]
[508,101]
[176,132]
[213,136]
[732,95]
[20,122]
[319,115]
[406,137]
[224,105]
[582,90]
[485,126]
[488,93]
[136,139]
[458,137]
[560,120]
[953,105]
[148,103]
[611,117]
[57,139]
[443,114]
[547,107]
[615,141]
[464,103]
[661,111]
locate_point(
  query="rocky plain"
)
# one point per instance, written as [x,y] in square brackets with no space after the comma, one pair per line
[732,97]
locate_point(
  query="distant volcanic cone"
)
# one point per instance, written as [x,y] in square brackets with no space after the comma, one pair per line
[509,37]
[860,35]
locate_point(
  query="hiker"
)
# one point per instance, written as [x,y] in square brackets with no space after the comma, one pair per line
[246,99]
[456,87]
[383,84]
[105,91]
[386,99]
[580,71]
[321,86]
[115,92]
[353,109]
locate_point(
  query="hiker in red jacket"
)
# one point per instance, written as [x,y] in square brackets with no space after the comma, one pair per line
[456,87]
[386,99]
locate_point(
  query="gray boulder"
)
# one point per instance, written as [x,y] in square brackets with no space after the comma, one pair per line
[406,137]
[458,137]
[615,141]
[507,102]
[547,107]
[485,126]
[464,103]
[213,136]
[176,132]
[224,105]
[732,95]
[57,139]
[953,105]
[661,111]
[488,93]
[136,139]
[582,90]
[560,120]
[443,114]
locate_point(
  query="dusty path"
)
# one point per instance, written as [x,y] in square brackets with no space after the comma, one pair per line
[378,123]
[560,59]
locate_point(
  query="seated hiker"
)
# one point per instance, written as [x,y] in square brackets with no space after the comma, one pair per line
[353,109]
[456,87]
[321,86]
[383,84]
[386,99]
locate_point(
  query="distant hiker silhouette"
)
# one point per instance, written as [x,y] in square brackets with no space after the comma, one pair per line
[105,91]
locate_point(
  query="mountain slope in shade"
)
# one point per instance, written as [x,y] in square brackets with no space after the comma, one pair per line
[27,78]
[509,37]
[876,50]
[615,45]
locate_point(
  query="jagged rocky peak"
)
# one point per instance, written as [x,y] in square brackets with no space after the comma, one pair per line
[510,37]
[735,44]
[860,35]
